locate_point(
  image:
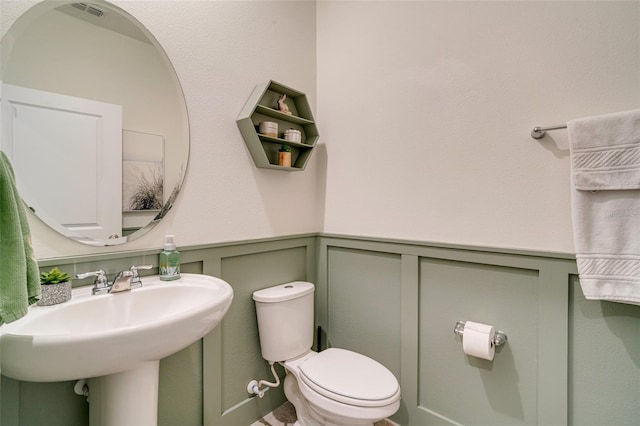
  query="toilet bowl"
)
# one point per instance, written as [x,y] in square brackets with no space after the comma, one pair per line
[342,387]
[332,387]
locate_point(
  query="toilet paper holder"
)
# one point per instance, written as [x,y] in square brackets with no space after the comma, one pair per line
[499,339]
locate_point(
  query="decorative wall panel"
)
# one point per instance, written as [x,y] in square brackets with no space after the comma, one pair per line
[568,360]
[424,290]
[463,388]
[364,304]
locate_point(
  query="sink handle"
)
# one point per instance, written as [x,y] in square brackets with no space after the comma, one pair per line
[99,284]
[96,274]
[135,277]
[101,278]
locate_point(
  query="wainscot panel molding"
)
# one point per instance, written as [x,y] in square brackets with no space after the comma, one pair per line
[568,360]
[204,384]
[398,302]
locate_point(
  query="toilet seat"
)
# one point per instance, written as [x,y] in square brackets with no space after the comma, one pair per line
[350,378]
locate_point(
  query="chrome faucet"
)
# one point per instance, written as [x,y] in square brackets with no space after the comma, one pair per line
[123,280]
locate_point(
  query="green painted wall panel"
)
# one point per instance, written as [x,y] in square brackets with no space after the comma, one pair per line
[42,404]
[434,279]
[180,378]
[498,392]
[604,362]
[395,301]
[364,304]
[241,354]
[184,380]
[180,388]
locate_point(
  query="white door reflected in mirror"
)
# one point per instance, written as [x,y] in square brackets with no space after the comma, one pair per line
[66,152]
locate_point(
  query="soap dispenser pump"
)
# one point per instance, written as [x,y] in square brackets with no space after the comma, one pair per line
[169,260]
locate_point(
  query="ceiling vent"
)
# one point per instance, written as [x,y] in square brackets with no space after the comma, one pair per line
[89,9]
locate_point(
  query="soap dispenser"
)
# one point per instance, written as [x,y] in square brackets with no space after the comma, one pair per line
[169,260]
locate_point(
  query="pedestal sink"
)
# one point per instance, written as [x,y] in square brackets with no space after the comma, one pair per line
[115,341]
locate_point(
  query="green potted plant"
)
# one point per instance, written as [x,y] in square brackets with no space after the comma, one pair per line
[55,286]
[284,155]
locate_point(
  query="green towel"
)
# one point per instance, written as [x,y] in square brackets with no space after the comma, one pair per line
[19,274]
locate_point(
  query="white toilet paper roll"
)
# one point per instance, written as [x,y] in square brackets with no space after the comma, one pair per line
[478,340]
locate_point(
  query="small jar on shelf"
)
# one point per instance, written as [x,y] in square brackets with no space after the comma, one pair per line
[284,156]
[293,135]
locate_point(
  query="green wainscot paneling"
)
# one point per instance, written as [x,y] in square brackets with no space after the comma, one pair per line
[604,366]
[205,383]
[568,361]
[498,392]
[42,404]
[412,294]
[364,304]
[180,388]
[240,341]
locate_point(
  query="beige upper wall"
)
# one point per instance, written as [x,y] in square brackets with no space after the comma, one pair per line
[426,109]
[221,50]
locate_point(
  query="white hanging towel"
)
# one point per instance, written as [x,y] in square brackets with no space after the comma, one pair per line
[605,197]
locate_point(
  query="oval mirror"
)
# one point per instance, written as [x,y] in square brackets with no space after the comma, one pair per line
[94,120]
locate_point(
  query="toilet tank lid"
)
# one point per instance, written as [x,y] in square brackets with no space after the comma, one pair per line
[282,292]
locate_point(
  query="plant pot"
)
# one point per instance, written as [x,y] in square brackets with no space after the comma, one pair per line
[284,159]
[52,294]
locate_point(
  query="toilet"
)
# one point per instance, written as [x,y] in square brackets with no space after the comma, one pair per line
[332,387]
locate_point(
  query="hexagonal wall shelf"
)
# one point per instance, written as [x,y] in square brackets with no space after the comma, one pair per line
[262,106]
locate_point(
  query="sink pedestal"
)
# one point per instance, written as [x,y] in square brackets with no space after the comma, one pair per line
[125,399]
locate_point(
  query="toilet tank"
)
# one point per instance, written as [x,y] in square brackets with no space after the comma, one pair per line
[285,320]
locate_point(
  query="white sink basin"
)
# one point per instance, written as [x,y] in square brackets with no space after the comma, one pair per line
[92,336]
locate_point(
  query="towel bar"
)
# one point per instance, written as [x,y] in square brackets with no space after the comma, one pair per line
[539,132]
